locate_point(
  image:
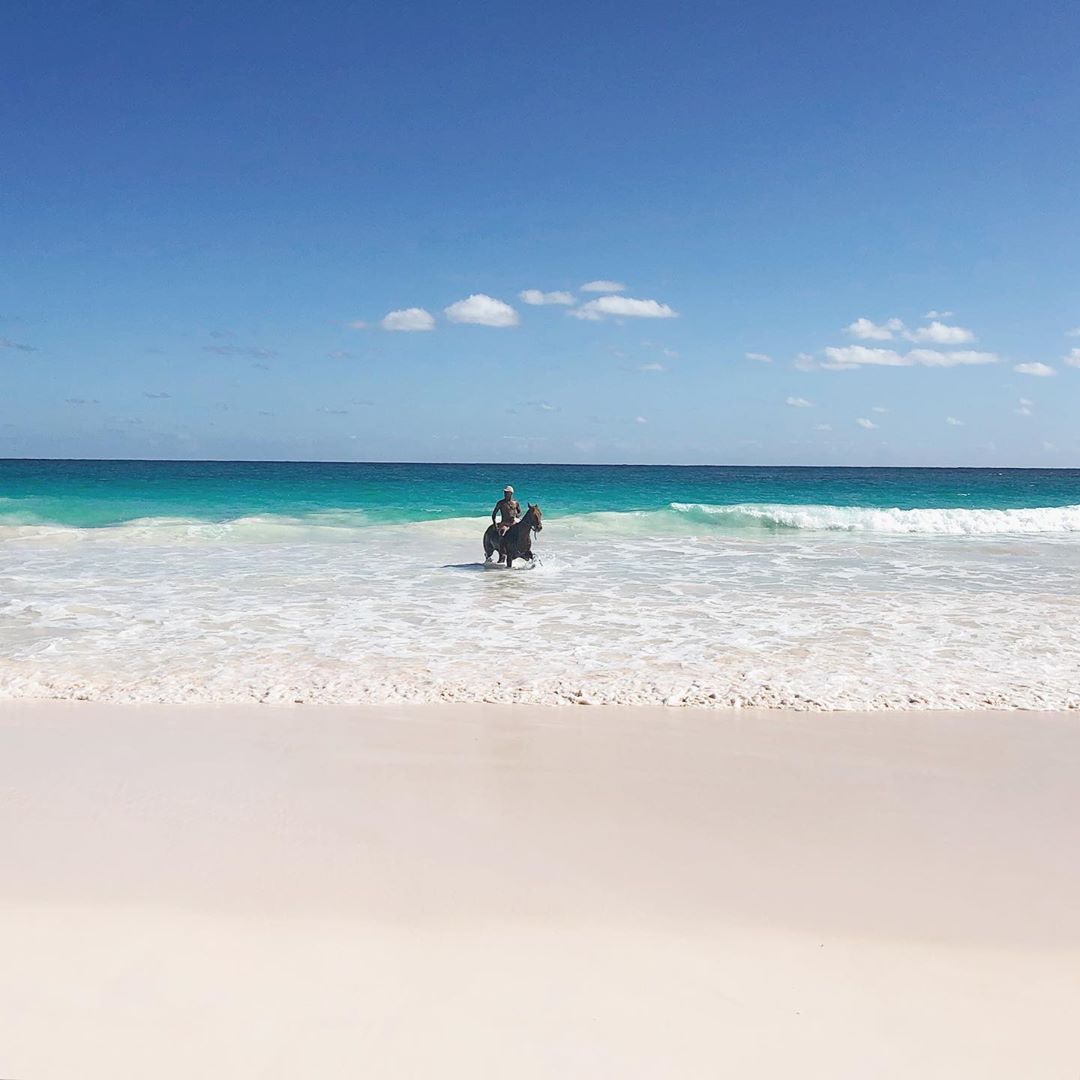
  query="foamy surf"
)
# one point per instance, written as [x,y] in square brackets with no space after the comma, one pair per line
[928,521]
[678,519]
[793,588]
[663,610]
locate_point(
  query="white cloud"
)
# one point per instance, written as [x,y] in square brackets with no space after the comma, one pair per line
[867,330]
[1074,332]
[1024,409]
[864,423]
[953,422]
[652,365]
[1042,370]
[482,310]
[960,358]
[671,354]
[408,319]
[1073,359]
[938,315]
[760,357]
[823,427]
[623,306]
[1026,401]
[798,403]
[805,361]
[538,298]
[603,286]
[357,324]
[640,420]
[878,409]
[853,356]
[937,333]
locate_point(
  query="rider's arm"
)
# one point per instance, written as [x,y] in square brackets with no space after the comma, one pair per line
[494,512]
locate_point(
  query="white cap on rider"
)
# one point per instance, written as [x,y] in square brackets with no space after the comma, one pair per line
[508,488]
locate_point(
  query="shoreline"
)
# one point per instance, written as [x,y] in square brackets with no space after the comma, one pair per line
[512,890]
[766,699]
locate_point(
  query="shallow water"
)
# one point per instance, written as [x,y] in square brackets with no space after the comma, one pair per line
[875,589]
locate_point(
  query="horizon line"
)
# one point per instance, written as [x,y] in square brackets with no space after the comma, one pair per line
[532,464]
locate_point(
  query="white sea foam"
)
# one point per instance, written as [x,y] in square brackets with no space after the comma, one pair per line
[1046,520]
[661,606]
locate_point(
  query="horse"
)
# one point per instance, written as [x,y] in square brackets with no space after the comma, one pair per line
[516,542]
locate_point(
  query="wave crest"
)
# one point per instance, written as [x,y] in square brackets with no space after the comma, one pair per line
[959,521]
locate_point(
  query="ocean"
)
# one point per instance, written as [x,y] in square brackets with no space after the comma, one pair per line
[714,586]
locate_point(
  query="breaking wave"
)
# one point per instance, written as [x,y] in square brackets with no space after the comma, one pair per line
[677,519]
[1044,520]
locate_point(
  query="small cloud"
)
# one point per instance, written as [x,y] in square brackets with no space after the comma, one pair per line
[603,286]
[1025,407]
[482,310]
[671,354]
[878,409]
[408,320]
[237,350]
[867,330]
[805,361]
[538,298]
[640,420]
[1038,369]
[869,425]
[156,397]
[953,422]
[760,357]
[263,412]
[542,406]
[623,307]
[1073,359]
[798,403]
[854,356]
[938,315]
[7,343]
[823,427]
[340,354]
[332,412]
[652,365]
[363,402]
[81,401]
[1074,332]
[357,324]
[937,333]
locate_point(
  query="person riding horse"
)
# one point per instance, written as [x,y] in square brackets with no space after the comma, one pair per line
[511,537]
[507,509]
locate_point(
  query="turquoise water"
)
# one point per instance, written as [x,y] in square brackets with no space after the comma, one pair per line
[104,493]
[291,582]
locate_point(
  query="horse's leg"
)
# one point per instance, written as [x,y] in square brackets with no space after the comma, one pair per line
[489,547]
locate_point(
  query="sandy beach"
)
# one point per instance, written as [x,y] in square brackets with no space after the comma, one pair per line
[524,892]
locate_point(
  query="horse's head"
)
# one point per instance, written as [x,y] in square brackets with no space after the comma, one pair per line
[535,517]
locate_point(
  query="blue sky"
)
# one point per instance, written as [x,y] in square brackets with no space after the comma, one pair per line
[199,202]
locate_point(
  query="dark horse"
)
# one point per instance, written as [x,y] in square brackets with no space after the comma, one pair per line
[516,542]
